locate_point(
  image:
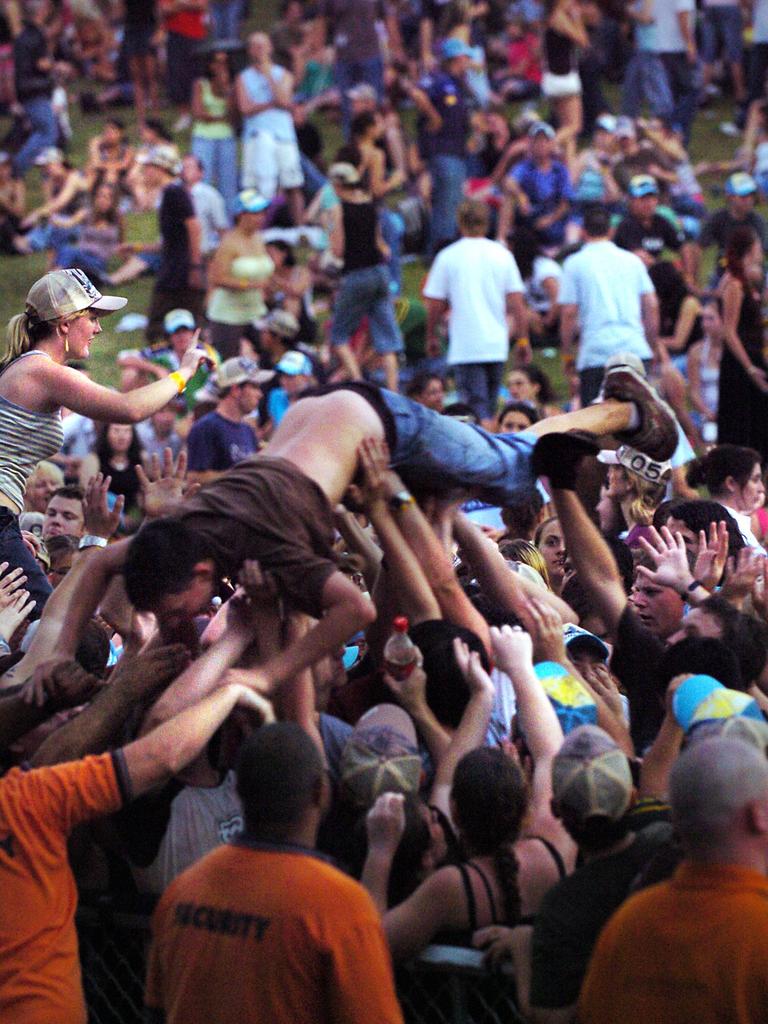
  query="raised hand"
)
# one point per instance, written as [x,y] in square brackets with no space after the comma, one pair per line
[385,822]
[670,557]
[712,554]
[100,520]
[471,668]
[411,692]
[379,482]
[546,629]
[512,649]
[149,671]
[742,574]
[163,486]
[66,685]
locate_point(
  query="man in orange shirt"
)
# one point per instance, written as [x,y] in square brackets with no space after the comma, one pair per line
[695,948]
[265,929]
[39,966]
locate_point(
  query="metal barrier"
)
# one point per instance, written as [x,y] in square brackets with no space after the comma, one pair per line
[446,985]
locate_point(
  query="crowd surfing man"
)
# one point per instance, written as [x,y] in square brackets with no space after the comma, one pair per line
[278,508]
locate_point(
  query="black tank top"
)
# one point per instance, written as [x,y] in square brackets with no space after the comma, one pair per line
[360,249]
[559,53]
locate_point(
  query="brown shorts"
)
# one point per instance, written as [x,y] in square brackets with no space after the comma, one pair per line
[267,509]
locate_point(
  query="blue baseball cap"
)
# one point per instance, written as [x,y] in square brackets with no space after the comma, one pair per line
[643,185]
[701,698]
[294,363]
[541,128]
[577,639]
[250,201]
[741,184]
[454,48]
[573,703]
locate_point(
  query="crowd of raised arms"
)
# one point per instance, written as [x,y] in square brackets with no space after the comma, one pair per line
[405,583]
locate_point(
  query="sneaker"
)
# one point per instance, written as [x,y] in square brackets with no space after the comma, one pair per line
[730,129]
[657,433]
[182,124]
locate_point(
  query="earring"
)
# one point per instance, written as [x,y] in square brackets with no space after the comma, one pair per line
[66,344]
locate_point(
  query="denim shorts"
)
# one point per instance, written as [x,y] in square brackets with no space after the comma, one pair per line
[721,25]
[366,293]
[438,454]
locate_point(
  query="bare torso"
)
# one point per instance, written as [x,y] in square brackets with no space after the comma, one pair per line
[320,436]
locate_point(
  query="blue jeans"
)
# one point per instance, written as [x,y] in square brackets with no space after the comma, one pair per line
[313,178]
[347,73]
[366,293]
[645,78]
[392,231]
[45,133]
[683,80]
[49,236]
[478,385]
[448,176]
[225,19]
[70,256]
[439,454]
[15,552]
[219,160]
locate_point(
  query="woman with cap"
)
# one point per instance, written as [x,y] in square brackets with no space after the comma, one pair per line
[237,274]
[60,320]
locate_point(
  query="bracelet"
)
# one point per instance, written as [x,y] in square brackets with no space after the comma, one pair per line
[178,380]
[401,500]
[5,647]
[694,585]
[90,540]
[523,343]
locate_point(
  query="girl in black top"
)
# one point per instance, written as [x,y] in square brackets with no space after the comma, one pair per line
[563,32]
[356,240]
[742,416]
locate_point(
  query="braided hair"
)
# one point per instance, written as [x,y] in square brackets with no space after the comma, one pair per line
[491,798]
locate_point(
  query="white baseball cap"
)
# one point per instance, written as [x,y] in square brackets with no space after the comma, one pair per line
[64,292]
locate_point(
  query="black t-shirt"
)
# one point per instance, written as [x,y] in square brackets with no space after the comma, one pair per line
[637,654]
[175,210]
[720,225]
[573,913]
[658,236]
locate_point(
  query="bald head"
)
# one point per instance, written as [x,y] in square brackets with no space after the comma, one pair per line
[712,785]
[259,46]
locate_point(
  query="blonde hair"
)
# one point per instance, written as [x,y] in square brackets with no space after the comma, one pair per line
[524,551]
[25,331]
[647,497]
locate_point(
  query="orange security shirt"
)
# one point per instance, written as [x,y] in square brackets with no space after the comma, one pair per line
[269,934]
[39,966]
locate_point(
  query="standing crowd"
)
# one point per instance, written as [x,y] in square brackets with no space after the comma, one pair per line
[341,626]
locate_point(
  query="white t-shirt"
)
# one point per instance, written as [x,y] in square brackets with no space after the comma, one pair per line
[669,38]
[744,523]
[475,275]
[760,22]
[543,267]
[211,211]
[606,283]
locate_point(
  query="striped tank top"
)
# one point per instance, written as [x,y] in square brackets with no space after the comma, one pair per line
[26,438]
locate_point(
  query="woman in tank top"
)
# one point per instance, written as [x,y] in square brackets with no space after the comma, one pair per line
[59,323]
[356,240]
[237,274]
[213,138]
[563,32]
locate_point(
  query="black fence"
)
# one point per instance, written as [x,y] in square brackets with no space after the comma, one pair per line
[445,986]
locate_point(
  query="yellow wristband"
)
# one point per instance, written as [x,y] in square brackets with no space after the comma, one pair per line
[522,343]
[178,380]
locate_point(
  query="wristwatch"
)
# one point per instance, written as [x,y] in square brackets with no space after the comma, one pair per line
[90,540]
[400,500]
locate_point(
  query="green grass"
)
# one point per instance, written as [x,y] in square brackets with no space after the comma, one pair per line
[18,273]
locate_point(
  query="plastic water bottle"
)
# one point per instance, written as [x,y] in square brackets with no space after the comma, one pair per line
[400,652]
